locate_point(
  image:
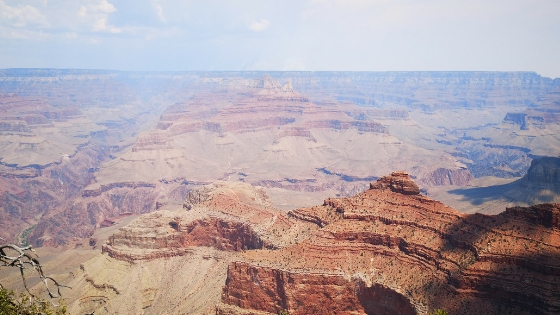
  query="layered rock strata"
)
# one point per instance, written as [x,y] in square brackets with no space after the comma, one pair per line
[226,216]
[278,130]
[390,250]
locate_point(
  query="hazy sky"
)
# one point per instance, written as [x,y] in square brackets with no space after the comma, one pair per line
[357,35]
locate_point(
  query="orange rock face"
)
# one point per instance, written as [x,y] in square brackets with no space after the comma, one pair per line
[227,219]
[390,250]
[397,182]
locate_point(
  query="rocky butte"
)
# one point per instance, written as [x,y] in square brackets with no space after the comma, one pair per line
[390,250]
[387,250]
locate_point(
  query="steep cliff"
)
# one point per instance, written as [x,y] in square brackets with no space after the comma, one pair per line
[385,252]
[545,170]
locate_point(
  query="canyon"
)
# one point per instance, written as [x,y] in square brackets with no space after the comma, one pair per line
[218,174]
[386,250]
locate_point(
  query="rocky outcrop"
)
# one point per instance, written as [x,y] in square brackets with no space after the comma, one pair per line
[529,120]
[152,141]
[542,112]
[390,250]
[398,182]
[487,159]
[378,114]
[176,239]
[265,88]
[547,215]
[363,126]
[517,119]
[297,291]
[544,170]
[226,216]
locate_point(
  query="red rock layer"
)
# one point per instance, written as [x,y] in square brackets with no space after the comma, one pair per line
[176,239]
[293,289]
[229,220]
[385,252]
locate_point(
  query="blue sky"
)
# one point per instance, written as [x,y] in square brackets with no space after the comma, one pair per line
[353,35]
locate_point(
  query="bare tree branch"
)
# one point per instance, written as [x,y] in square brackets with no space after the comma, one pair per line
[25,258]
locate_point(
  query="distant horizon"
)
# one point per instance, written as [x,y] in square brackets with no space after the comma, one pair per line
[282,71]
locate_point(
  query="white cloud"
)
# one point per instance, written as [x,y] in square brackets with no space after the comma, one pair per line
[100,25]
[97,15]
[260,26]
[83,11]
[22,16]
[102,6]
[159,10]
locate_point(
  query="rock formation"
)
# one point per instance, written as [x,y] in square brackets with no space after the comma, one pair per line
[398,182]
[390,250]
[226,216]
[545,170]
[387,250]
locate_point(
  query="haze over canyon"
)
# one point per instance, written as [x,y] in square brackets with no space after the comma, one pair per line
[305,192]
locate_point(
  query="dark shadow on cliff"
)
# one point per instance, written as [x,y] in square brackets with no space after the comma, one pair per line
[520,275]
[521,191]
[479,195]
[380,300]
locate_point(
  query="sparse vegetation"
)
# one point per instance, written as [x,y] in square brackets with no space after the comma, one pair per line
[439,312]
[24,236]
[24,258]
[10,304]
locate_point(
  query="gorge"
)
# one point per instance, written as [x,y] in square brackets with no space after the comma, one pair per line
[278,182]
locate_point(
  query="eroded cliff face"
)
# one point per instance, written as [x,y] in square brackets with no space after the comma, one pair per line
[387,250]
[226,216]
[545,170]
[443,176]
[419,253]
[304,292]
[181,255]
[546,110]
